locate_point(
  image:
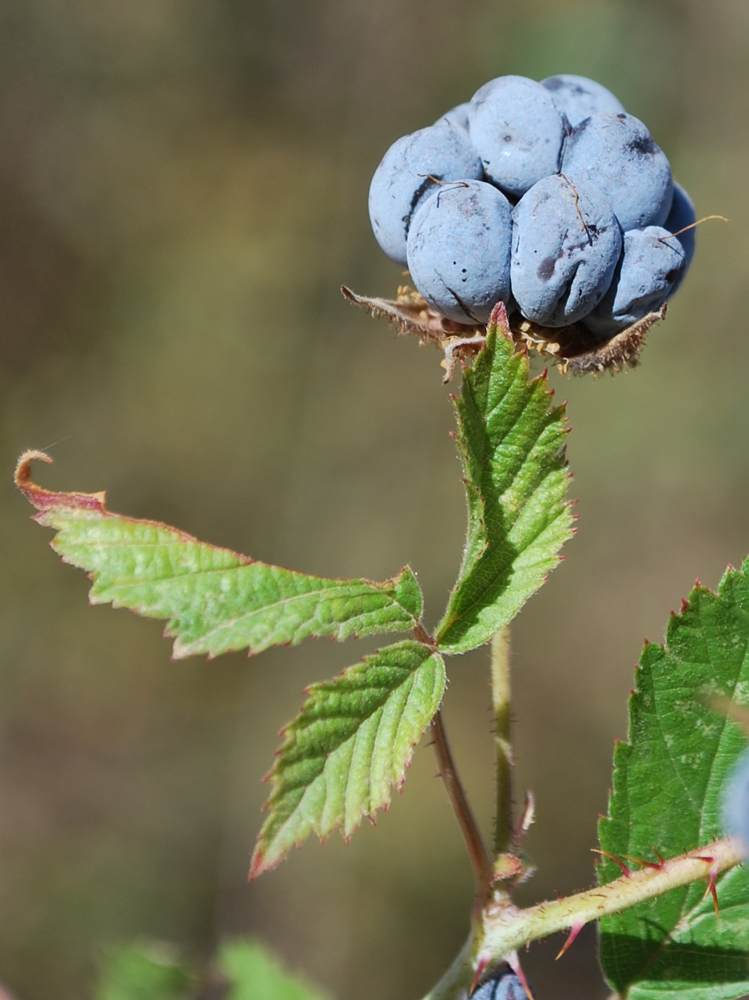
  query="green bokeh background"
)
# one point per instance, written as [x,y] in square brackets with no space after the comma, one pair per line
[182,190]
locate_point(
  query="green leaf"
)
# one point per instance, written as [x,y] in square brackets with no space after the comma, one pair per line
[667,798]
[254,974]
[350,743]
[511,442]
[215,600]
[143,972]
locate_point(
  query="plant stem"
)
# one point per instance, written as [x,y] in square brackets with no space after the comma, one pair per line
[503,829]
[457,980]
[477,851]
[507,928]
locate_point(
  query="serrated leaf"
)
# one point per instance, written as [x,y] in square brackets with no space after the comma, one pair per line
[215,600]
[143,972]
[350,744]
[666,797]
[511,442]
[254,974]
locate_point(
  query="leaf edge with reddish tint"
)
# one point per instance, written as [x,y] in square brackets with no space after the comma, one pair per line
[214,600]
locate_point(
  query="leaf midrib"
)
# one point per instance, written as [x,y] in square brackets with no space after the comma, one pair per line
[365,718]
[324,595]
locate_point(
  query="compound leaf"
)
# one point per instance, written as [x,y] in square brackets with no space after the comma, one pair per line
[349,745]
[215,600]
[511,442]
[666,798]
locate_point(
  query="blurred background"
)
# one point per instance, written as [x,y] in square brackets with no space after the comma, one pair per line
[183,188]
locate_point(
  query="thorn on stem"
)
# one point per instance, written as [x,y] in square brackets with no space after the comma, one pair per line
[625,870]
[711,884]
[480,969]
[645,864]
[514,962]
[712,889]
[574,931]
[526,820]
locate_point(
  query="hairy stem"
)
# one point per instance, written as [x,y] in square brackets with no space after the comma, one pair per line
[507,928]
[477,851]
[502,746]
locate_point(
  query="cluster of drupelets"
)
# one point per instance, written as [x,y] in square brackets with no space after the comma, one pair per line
[546,196]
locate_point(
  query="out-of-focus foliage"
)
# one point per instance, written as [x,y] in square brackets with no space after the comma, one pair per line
[253,973]
[143,972]
[182,191]
[242,970]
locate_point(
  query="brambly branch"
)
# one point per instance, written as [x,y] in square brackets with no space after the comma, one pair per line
[505,928]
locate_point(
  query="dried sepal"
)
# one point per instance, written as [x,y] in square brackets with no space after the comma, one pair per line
[572,348]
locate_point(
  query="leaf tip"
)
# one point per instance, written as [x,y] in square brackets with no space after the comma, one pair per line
[22,476]
[180,650]
[45,500]
[498,319]
[260,864]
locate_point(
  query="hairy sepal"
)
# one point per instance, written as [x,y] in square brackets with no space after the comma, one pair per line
[214,600]
[348,747]
[511,443]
